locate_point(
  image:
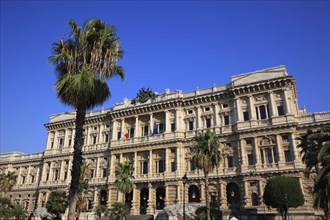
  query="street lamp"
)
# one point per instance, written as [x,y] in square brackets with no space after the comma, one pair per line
[184,181]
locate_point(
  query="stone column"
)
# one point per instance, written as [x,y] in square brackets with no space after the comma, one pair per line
[88,135]
[97,170]
[66,138]
[62,170]
[216,118]
[114,130]
[166,199]
[150,209]
[294,148]
[272,104]
[68,179]
[55,140]
[150,163]
[281,161]
[223,195]
[256,153]
[202,192]
[122,128]
[51,178]
[286,102]
[238,110]
[73,136]
[247,202]
[135,164]
[101,138]
[151,124]
[178,195]
[49,137]
[135,202]
[243,154]
[252,108]
[137,133]
[167,160]
[95,200]
[199,124]
[167,122]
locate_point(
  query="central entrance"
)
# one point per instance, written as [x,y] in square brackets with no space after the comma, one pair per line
[144,195]
[160,198]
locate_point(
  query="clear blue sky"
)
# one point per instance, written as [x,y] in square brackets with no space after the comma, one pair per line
[168,44]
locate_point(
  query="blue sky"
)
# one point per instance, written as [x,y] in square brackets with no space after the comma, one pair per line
[168,44]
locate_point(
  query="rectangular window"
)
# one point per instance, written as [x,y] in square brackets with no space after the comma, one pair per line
[248,142]
[65,175]
[287,155]
[226,119]
[192,166]
[173,127]
[250,159]
[60,143]
[280,110]
[207,109]
[131,132]
[230,162]
[145,167]
[191,125]
[23,179]
[275,155]
[32,178]
[246,115]
[106,138]
[70,142]
[94,139]
[104,173]
[173,166]
[225,105]
[269,155]
[52,144]
[92,173]
[161,128]
[146,130]
[47,176]
[208,122]
[118,135]
[263,114]
[56,176]
[161,167]
[262,156]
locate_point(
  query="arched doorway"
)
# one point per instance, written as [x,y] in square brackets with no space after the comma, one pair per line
[129,199]
[103,197]
[194,194]
[160,198]
[144,194]
[233,197]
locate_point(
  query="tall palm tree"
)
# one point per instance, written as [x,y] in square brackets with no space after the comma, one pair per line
[57,202]
[123,175]
[322,181]
[83,62]
[206,156]
[8,181]
[84,185]
[19,212]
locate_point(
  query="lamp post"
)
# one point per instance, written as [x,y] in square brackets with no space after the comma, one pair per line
[184,181]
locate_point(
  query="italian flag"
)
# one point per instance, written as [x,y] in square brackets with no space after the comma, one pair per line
[125,132]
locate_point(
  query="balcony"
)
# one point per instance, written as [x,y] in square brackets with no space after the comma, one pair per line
[314,117]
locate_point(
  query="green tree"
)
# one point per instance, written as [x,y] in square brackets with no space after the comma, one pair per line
[100,209]
[123,175]
[19,212]
[206,155]
[84,61]
[57,202]
[119,211]
[283,192]
[8,181]
[215,213]
[315,147]
[5,208]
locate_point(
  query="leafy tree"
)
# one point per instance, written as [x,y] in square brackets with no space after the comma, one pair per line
[316,154]
[84,61]
[283,192]
[5,208]
[215,213]
[57,202]
[19,212]
[206,156]
[123,175]
[119,211]
[100,209]
[8,181]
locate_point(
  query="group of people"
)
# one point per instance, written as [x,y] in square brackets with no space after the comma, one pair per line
[57,217]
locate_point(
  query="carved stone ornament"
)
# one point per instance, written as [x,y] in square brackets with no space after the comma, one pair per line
[144,95]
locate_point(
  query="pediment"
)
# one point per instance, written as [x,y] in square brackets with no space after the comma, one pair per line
[259,75]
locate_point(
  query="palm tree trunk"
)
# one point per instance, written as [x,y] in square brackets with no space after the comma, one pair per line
[206,175]
[77,161]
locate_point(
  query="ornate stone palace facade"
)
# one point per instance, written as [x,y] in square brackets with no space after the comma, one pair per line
[256,116]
